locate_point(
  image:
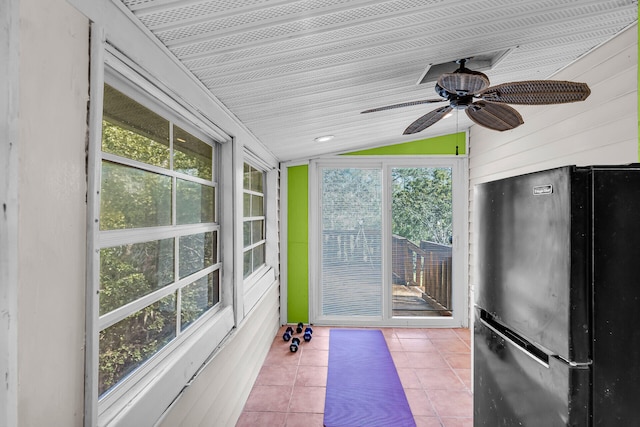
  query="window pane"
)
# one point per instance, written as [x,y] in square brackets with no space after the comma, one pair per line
[246,204]
[246,181]
[258,256]
[129,272]
[247,264]
[422,226]
[192,156]
[257,205]
[129,343]
[257,231]
[256,180]
[196,252]
[351,243]
[214,255]
[215,295]
[197,298]
[195,203]
[246,233]
[133,198]
[133,131]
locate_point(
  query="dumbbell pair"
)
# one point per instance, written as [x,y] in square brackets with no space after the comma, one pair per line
[295,342]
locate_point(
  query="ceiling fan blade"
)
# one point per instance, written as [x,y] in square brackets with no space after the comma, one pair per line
[464,83]
[404,104]
[498,117]
[536,92]
[427,120]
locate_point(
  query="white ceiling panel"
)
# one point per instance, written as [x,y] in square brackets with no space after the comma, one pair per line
[293,70]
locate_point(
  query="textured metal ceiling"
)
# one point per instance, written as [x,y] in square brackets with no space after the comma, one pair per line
[293,70]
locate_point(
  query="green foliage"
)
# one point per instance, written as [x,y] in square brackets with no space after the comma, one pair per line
[130,342]
[133,198]
[126,143]
[422,204]
[129,272]
[197,298]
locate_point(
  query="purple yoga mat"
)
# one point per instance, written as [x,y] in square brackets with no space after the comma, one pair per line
[363,387]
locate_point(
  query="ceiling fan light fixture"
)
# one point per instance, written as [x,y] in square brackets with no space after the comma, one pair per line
[324,138]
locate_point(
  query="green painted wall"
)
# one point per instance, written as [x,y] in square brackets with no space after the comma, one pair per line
[298,244]
[298,215]
[446,144]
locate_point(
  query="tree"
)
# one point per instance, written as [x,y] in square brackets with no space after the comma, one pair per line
[422,204]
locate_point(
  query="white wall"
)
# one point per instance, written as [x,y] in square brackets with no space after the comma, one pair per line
[9,146]
[53,95]
[601,130]
[44,91]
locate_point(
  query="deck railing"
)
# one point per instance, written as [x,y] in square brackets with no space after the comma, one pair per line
[427,266]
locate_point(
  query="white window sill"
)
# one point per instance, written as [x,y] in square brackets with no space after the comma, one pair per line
[256,285]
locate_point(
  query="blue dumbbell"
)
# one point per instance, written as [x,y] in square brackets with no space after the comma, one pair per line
[295,343]
[300,327]
[287,334]
[307,334]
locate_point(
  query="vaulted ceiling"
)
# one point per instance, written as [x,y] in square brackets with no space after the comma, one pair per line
[294,70]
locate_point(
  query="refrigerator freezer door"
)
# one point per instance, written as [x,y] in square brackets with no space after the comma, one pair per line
[532,258]
[513,388]
[616,311]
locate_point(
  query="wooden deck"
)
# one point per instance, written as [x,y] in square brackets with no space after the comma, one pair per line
[411,301]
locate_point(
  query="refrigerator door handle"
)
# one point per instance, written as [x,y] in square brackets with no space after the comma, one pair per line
[574,364]
[515,339]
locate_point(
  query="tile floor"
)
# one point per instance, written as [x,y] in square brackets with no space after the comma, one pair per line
[434,366]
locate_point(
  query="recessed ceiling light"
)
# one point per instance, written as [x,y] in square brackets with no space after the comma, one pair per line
[324,138]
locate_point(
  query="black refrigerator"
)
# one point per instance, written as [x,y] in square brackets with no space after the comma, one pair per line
[557,307]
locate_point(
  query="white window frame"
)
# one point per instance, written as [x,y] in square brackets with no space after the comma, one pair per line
[258,282]
[145,394]
[460,230]
[250,218]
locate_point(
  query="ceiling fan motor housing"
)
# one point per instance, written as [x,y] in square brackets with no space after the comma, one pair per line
[461,102]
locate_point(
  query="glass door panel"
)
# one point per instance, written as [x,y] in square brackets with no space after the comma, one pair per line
[351,281]
[421,250]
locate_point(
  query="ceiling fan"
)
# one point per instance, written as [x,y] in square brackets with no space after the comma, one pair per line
[463,86]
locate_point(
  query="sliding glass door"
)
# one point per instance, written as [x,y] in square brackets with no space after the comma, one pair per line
[383,242]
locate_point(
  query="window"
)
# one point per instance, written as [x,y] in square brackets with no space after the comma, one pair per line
[254,238]
[158,238]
